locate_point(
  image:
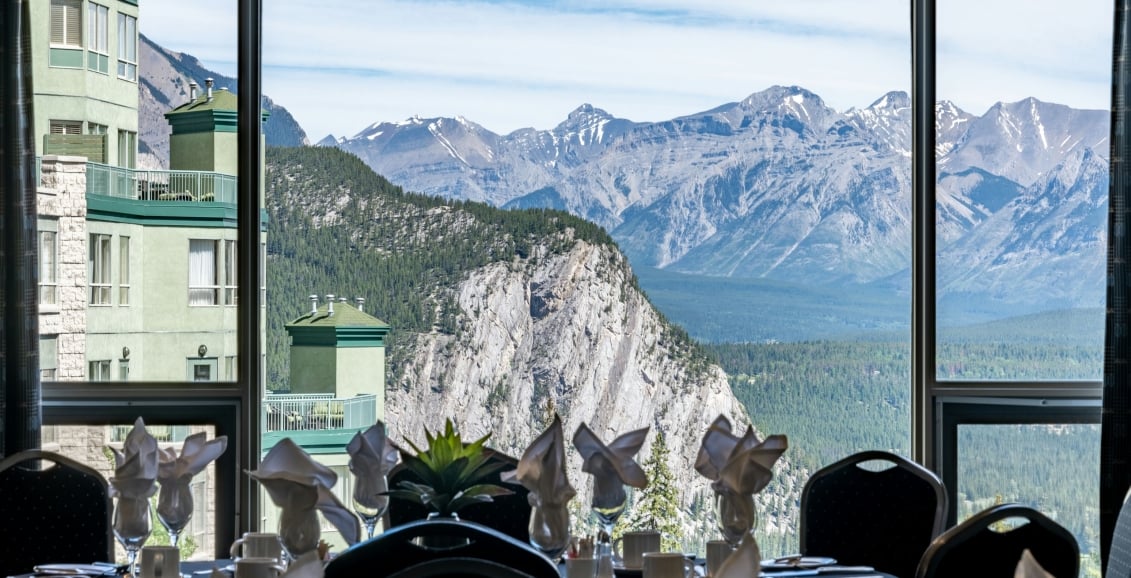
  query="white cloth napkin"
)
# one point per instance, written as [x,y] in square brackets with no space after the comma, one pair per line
[739,465]
[306,566]
[1028,567]
[175,472]
[372,455]
[135,467]
[298,485]
[612,465]
[744,562]
[542,471]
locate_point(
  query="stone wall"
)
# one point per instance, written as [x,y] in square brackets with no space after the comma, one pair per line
[62,196]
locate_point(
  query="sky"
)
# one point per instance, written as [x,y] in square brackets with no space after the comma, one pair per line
[341,65]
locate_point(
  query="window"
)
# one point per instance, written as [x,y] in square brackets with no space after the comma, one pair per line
[127,149]
[202,369]
[95,128]
[230,262]
[203,289]
[127,47]
[97,38]
[48,263]
[66,23]
[98,370]
[123,270]
[123,370]
[100,269]
[66,127]
[230,373]
[48,357]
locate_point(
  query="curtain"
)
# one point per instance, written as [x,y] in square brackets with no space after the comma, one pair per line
[1115,465]
[202,272]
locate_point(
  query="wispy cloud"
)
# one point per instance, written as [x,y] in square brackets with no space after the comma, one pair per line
[339,65]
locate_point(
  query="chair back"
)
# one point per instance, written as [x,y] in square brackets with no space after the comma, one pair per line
[60,513]
[1119,555]
[976,548]
[468,549]
[508,514]
[884,519]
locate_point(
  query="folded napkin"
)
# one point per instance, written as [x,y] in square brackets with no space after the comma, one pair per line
[135,467]
[612,465]
[1028,567]
[298,485]
[175,472]
[372,455]
[542,469]
[744,562]
[738,465]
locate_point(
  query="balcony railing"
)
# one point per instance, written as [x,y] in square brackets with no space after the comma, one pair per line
[185,186]
[317,411]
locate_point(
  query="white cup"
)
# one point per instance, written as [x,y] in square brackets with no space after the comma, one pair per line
[667,565]
[581,567]
[632,546]
[717,553]
[160,562]
[257,545]
[258,568]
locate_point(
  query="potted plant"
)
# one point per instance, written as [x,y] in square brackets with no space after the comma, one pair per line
[450,474]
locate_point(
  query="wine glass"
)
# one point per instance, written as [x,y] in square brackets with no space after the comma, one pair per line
[174,507]
[370,501]
[549,529]
[132,527]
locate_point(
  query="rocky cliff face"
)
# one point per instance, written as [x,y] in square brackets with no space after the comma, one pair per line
[570,331]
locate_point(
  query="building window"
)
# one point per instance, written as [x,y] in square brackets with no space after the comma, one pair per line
[123,270]
[95,128]
[66,23]
[97,38]
[66,127]
[127,149]
[127,47]
[123,370]
[230,368]
[200,369]
[230,293]
[48,357]
[98,370]
[99,269]
[203,289]
[48,263]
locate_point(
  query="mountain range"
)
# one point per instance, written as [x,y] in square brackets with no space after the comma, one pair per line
[779,186]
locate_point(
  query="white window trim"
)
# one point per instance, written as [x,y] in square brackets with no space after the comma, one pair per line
[127,42]
[49,274]
[73,8]
[123,271]
[100,271]
[204,269]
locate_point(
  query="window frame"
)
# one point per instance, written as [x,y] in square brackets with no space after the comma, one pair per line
[48,272]
[123,270]
[940,406]
[127,47]
[98,37]
[197,287]
[68,10]
[231,261]
[99,270]
[127,149]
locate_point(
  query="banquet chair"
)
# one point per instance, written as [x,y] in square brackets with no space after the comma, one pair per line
[977,548]
[884,519]
[60,513]
[1119,555]
[470,549]
[508,514]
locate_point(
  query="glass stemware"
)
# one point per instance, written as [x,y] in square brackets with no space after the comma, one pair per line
[299,531]
[736,515]
[174,508]
[549,529]
[369,501]
[132,527]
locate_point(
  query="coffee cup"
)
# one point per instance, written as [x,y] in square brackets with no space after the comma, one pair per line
[632,546]
[160,562]
[581,567]
[717,553]
[667,565]
[252,567]
[257,545]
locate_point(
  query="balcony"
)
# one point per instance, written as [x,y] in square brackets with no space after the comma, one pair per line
[317,412]
[146,185]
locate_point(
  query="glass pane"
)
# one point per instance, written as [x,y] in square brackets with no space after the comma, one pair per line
[90,445]
[1022,189]
[1050,467]
[748,158]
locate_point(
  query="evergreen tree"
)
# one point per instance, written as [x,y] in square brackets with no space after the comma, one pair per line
[657,506]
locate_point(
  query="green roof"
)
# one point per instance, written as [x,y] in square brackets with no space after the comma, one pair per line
[221,100]
[345,315]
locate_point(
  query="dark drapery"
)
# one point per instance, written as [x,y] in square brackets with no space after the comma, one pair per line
[20,412]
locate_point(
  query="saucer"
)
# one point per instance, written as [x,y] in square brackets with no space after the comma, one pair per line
[627,572]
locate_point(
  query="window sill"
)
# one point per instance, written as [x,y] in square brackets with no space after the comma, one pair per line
[49,309]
